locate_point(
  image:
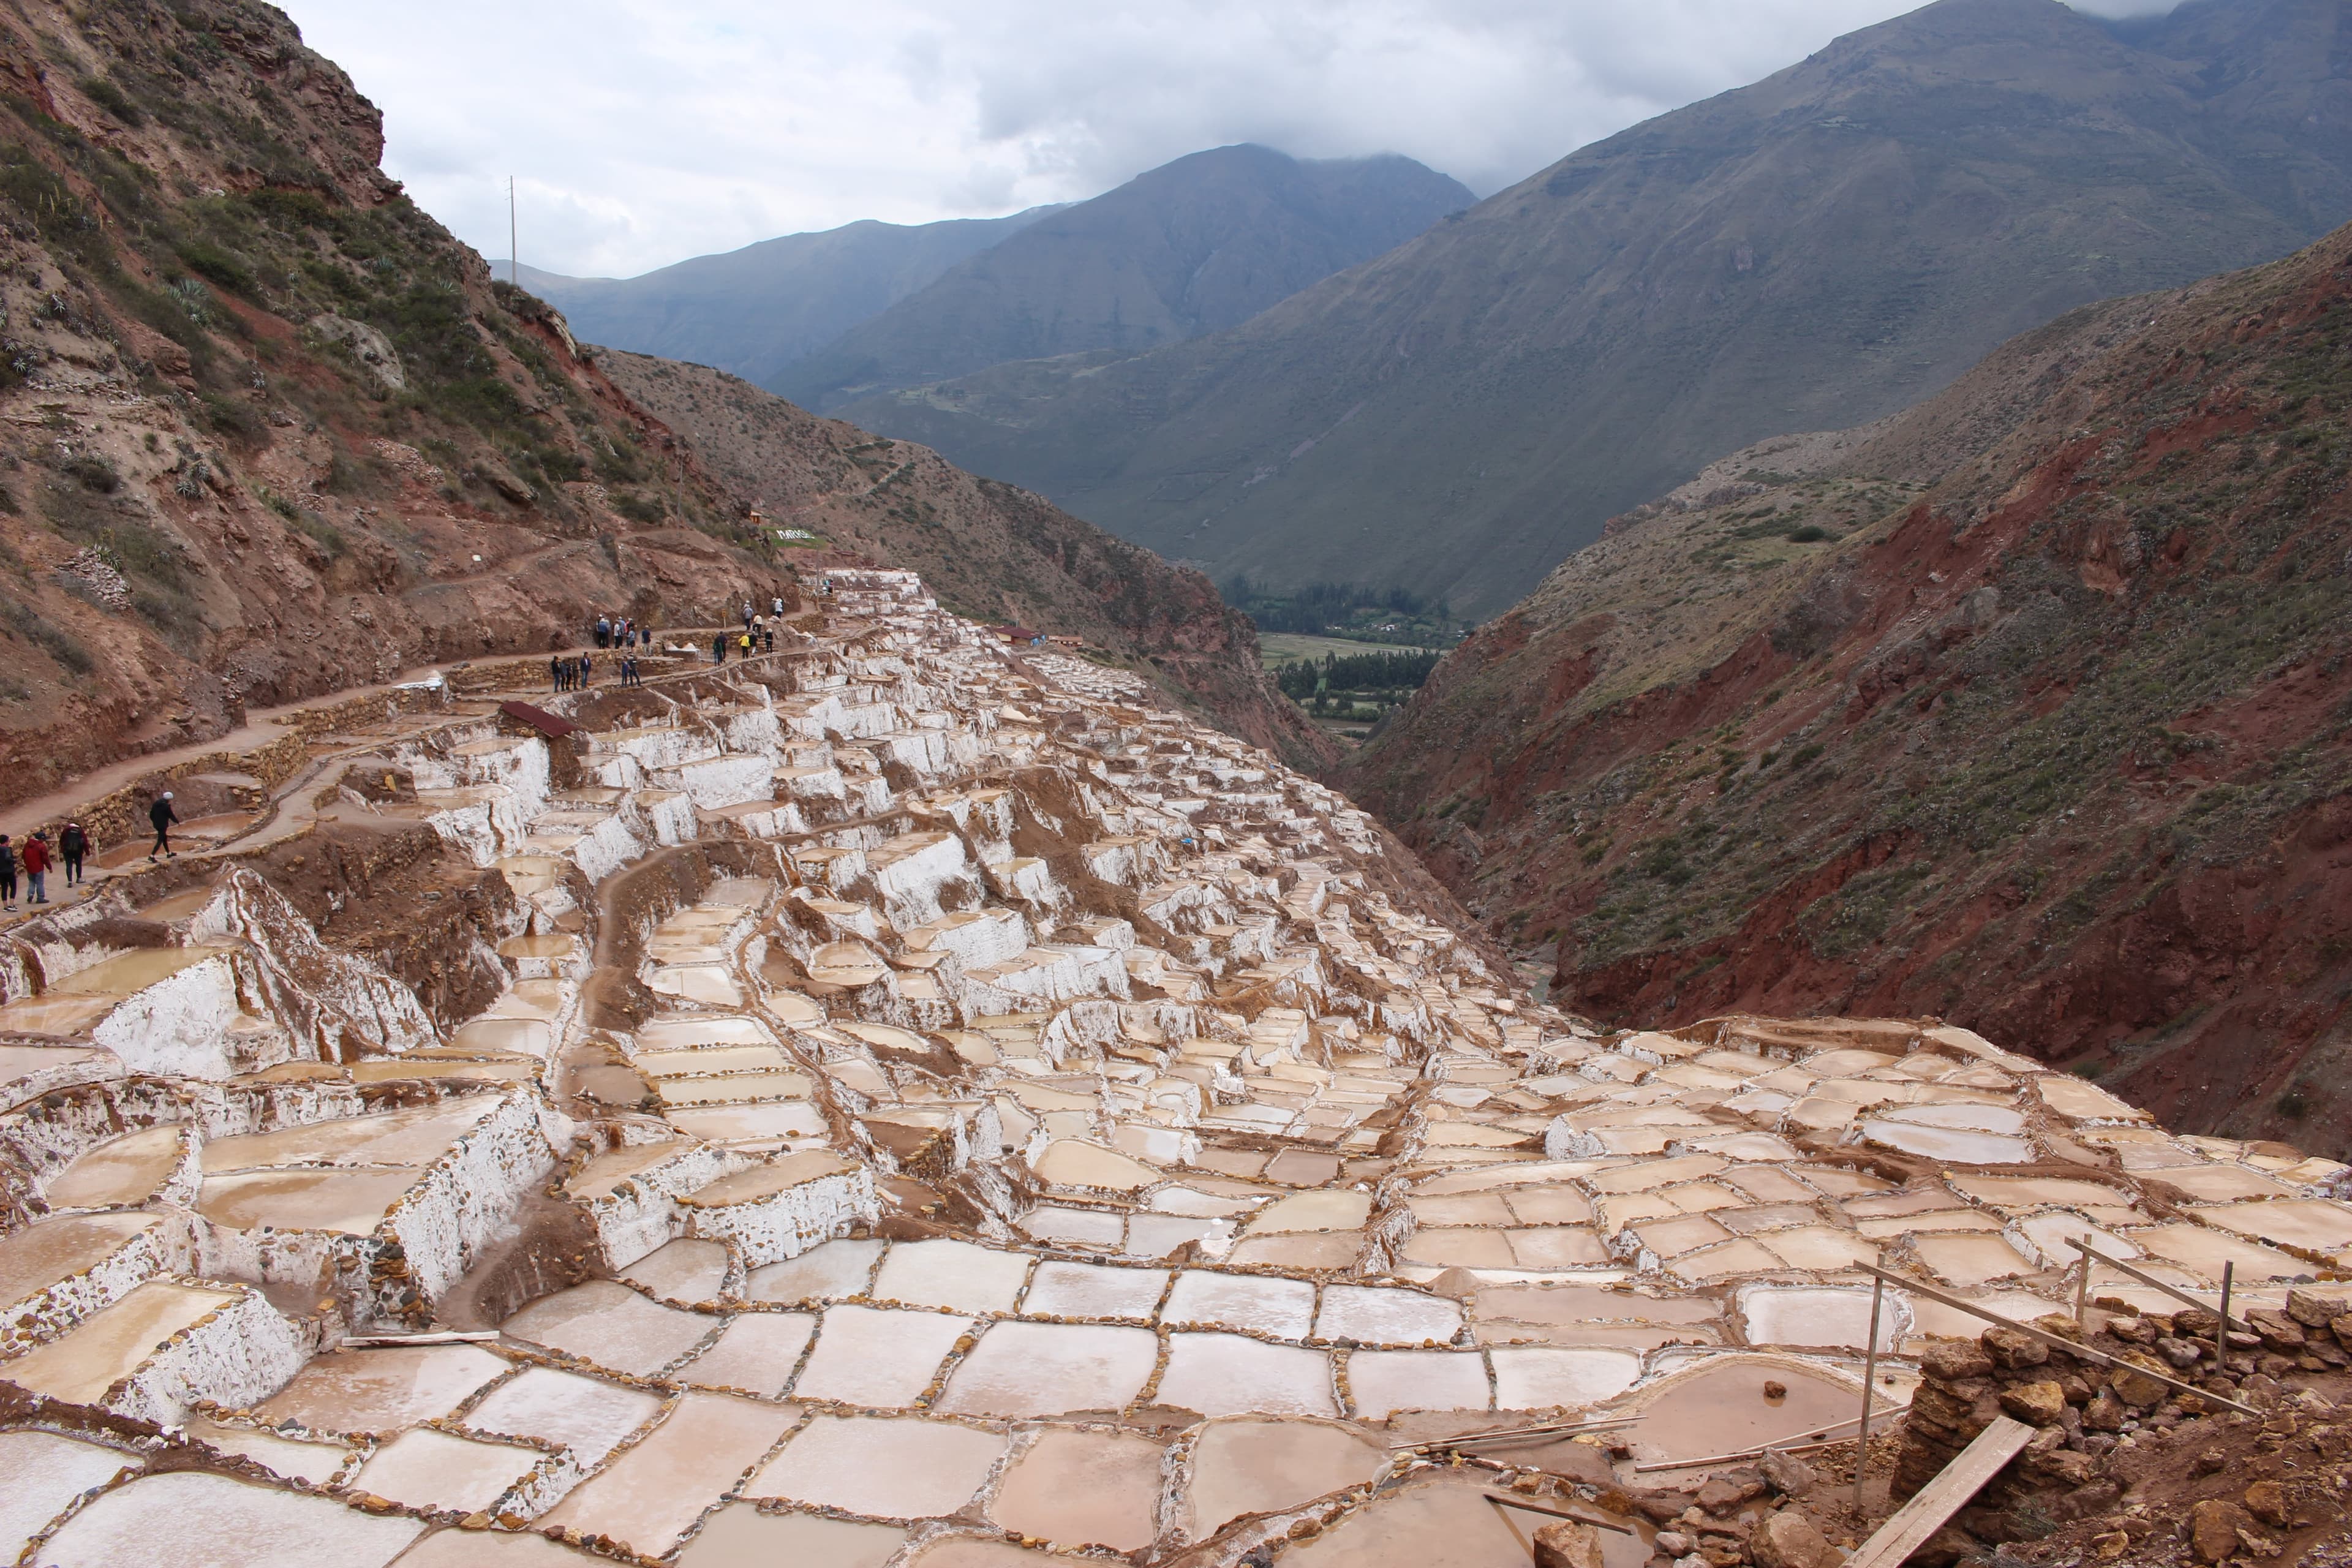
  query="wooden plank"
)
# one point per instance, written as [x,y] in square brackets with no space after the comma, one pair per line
[1944,1496]
[1526,1507]
[2061,1342]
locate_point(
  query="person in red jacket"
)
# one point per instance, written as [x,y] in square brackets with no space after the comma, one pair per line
[36,868]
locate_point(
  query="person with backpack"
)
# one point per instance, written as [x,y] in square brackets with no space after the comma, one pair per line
[162,815]
[73,848]
[36,868]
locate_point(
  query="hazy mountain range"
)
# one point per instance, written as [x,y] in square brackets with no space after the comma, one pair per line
[1197,245]
[755,311]
[1813,251]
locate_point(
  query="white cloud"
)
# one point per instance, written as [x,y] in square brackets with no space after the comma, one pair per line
[641,131]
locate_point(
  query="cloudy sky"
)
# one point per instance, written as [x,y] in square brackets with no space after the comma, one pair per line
[644,131]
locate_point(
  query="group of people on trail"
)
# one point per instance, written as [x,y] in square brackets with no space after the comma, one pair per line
[572,674]
[622,632]
[35,856]
[757,636]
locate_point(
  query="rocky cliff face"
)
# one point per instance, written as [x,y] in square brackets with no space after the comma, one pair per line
[2029,708]
[266,430]
[990,551]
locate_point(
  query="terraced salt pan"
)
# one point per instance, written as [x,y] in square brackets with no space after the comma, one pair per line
[741,1536]
[190,1520]
[587,1415]
[1082,1488]
[1254,1465]
[1027,1370]
[878,1358]
[757,1352]
[605,1322]
[47,1475]
[956,1275]
[382,1390]
[903,1468]
[1227,1375]
[433,1470]
[652,1494]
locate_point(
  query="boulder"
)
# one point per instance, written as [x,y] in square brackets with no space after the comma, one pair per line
[2104,1413]
[2134,1387]
[2035,1404]
[2213,1527]
[2278,1329]
[1565,1544]
[1789,1475]
[2315,1312]
[2012,1349]
[2267,1501]
[1954,1361]
[1787,1540]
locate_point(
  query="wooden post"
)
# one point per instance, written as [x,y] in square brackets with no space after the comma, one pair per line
[1869,1380]
[2083,1296]
[2228,1271]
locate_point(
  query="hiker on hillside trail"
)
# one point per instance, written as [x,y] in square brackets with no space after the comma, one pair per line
[772,639]
[747,645]
[587,671]
[36,868]
[747,614]
[555,671]
[8,873]
[162,815]
[779,607]
[73,848]
[719,648]
[603,630]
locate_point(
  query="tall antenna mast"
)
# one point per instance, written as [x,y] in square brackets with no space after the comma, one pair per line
[514,257]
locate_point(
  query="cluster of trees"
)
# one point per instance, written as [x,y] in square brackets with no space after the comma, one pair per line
[1382,679]
[1321,607]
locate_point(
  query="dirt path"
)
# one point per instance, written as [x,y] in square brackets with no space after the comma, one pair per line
[290,811]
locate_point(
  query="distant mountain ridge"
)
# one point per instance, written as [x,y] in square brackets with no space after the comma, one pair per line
[1811,252]
[753,311]
[1192,246]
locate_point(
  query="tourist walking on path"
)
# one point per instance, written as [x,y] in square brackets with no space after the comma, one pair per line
[36,868]
[73,848]
[719,648]
[772,639]
[603,631]
[8,873]
[587,671]
[746,643]
[162,815]
[555,671]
